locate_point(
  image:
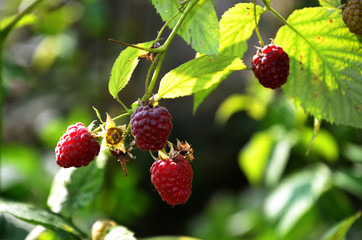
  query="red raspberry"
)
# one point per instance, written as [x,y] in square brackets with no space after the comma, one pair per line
[271,66]
[76,148]
[172,179]
[151,127]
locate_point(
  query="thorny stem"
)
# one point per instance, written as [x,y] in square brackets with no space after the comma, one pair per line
[257,27]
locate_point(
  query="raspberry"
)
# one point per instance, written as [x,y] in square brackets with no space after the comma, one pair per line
[172,179]
[271,66]
[76,148]
[352,16]
[151,127]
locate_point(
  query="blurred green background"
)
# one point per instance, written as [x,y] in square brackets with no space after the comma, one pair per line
[252,177]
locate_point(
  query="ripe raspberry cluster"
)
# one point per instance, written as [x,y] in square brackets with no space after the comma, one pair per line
[271,66]
[151,127]
[173,179]
[76,148]
[352,16]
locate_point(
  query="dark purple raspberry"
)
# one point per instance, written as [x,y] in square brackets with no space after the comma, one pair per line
[151,127]
[352,16]
[76,148]
[172,179]
[271,66]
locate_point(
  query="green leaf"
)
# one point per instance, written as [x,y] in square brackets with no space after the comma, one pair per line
[25,20]
[324,140]
[349,181]
[197,75]
[236,27]
[253,161]
[74,188]
[353,152]
[124,66]
[39,216]
[200,96]
[325,65]
[200,28]
[278,159]
[330,3]
[338,232]
[42,233]
[295,196]
[120,233]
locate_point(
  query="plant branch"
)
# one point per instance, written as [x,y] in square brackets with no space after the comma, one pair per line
[257,27]
[123,105]
[145,98]
[18,17]
[155,74]
[188,8]
[165,25]
[163,49]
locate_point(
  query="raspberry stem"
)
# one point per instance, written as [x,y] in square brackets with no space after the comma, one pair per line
[6,30]
[145,97]
[123,105]
[257,27]
[114,119]
[165,25]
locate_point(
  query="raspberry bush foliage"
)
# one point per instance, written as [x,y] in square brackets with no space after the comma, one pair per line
[312,66]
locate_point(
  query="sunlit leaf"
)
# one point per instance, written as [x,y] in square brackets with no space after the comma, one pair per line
[323,140]
[330,3]
[200,27]
[74,188]
[38,216]
[254,156]
[124,66]
[197,75]
[236,27]
[325,65]
[256,108]
[295,196]
[338,232]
